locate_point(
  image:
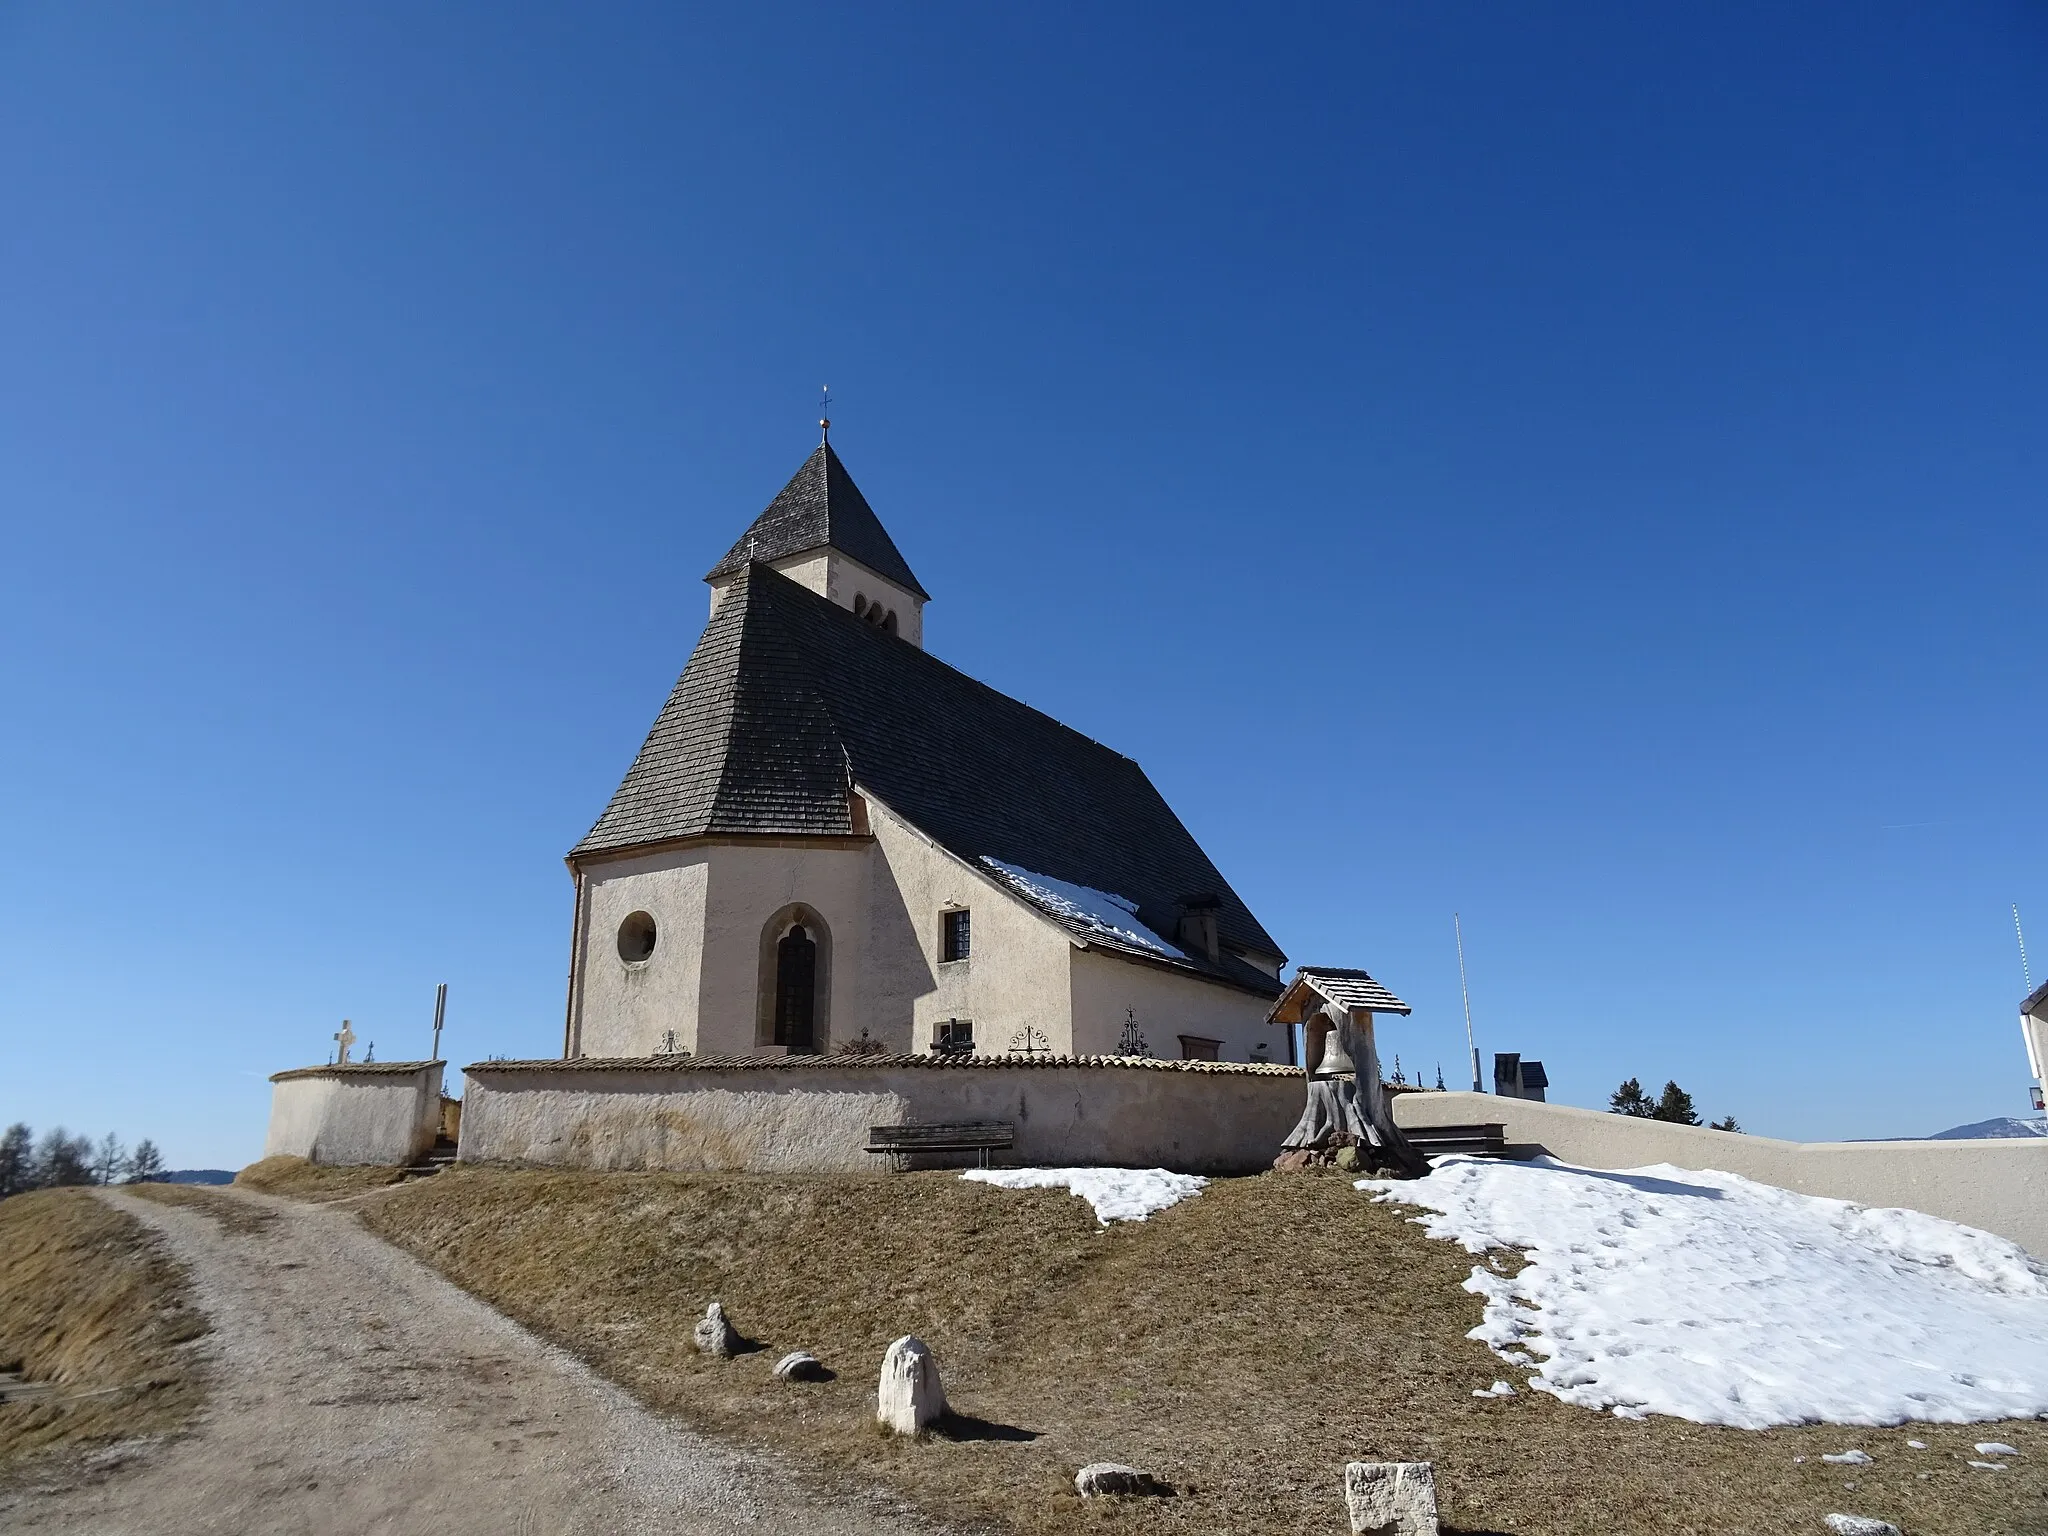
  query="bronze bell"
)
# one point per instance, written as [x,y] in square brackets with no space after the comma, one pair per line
[1335,1062]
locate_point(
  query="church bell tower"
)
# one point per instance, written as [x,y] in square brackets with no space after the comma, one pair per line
[821,533]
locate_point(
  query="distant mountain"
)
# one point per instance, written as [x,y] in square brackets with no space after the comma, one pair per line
[2004,1125]
[222,1175]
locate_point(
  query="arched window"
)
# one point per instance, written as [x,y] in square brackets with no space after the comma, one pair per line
[889,623]
[860,605]
[794,996]
[796,991]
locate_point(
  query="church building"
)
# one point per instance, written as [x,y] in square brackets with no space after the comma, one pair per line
[831,841]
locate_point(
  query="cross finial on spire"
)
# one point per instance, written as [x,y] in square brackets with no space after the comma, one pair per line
[825,414]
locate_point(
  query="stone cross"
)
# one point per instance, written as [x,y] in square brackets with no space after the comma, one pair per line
[344,1037]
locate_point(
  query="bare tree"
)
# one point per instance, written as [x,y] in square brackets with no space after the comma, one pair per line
[110,1160]
[146,1165]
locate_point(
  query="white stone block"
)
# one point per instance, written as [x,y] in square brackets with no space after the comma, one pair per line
[1391,1498]
[714,1334]
[910,1395]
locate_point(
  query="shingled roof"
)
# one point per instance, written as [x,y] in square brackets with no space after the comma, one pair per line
[821,505]
[1314,985]
[789,701]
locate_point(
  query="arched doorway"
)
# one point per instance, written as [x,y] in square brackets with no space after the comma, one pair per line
[796,991]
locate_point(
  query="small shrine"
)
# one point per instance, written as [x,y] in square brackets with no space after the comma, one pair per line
[1346,1122]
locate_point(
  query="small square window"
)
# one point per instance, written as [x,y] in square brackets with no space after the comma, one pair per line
[953,1037]
[953,937]
[1196,1048]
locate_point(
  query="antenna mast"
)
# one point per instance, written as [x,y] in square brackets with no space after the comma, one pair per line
[1458,928]
[2026,974]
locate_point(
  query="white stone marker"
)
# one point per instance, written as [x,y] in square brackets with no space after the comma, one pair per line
[1860,1525]
[714,1334]
[1391,1498]
[910,1396]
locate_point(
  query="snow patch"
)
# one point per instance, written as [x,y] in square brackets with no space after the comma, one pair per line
[1713,1298]
[1118,1194]
[1849,1459]
[1995,1448]
[1498,1389]
[1100,912]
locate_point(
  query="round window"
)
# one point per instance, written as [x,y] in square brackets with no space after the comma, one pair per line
[636,938]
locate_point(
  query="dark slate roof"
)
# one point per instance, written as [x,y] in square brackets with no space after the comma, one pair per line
[821,505]
[790,700]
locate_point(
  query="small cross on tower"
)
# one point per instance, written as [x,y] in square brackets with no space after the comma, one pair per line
[344,1037]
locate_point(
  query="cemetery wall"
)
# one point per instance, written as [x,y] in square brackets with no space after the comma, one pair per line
[378,1112]
[793,1117]
[1995,1186]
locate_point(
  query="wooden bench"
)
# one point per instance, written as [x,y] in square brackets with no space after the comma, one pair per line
[900,1141]
[1488,1140]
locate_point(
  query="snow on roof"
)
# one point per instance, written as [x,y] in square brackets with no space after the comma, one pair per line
[1713,1298]
[1099,914]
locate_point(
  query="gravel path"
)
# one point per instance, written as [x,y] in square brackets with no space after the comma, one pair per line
[355,1391]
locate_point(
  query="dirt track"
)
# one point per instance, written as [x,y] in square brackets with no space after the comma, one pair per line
[357,1392]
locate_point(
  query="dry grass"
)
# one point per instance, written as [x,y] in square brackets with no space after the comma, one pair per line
[239,1216]
[298,1179]
[89,1301]
[1242,1345]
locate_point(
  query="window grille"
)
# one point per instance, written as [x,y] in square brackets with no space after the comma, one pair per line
[955,937]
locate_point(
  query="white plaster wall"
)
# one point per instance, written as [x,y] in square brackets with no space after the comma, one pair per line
[1018,966]
[1996,1186]
[805,1119]
[710,903]
[338,1116]
[881,900]
[1167,1005]
[624,1008]
[750,883]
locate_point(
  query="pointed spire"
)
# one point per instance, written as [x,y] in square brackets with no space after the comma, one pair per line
[820,508]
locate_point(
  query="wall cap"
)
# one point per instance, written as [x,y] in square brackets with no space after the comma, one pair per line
[919,1062]
[356,1069]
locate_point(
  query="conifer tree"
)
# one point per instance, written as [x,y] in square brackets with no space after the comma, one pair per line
[17,1160]
[1724,1125]
[1675,1105]
[146,1164]
[62,1159]
[1629,1099]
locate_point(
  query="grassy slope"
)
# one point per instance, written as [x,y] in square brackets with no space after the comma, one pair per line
[300,1180]
[89,1301]
[1243,1345]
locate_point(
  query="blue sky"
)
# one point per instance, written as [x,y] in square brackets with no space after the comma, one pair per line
[1583,469]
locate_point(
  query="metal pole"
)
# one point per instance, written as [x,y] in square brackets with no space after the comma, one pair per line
[1459,928]
[440,1010]
[2026,973]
